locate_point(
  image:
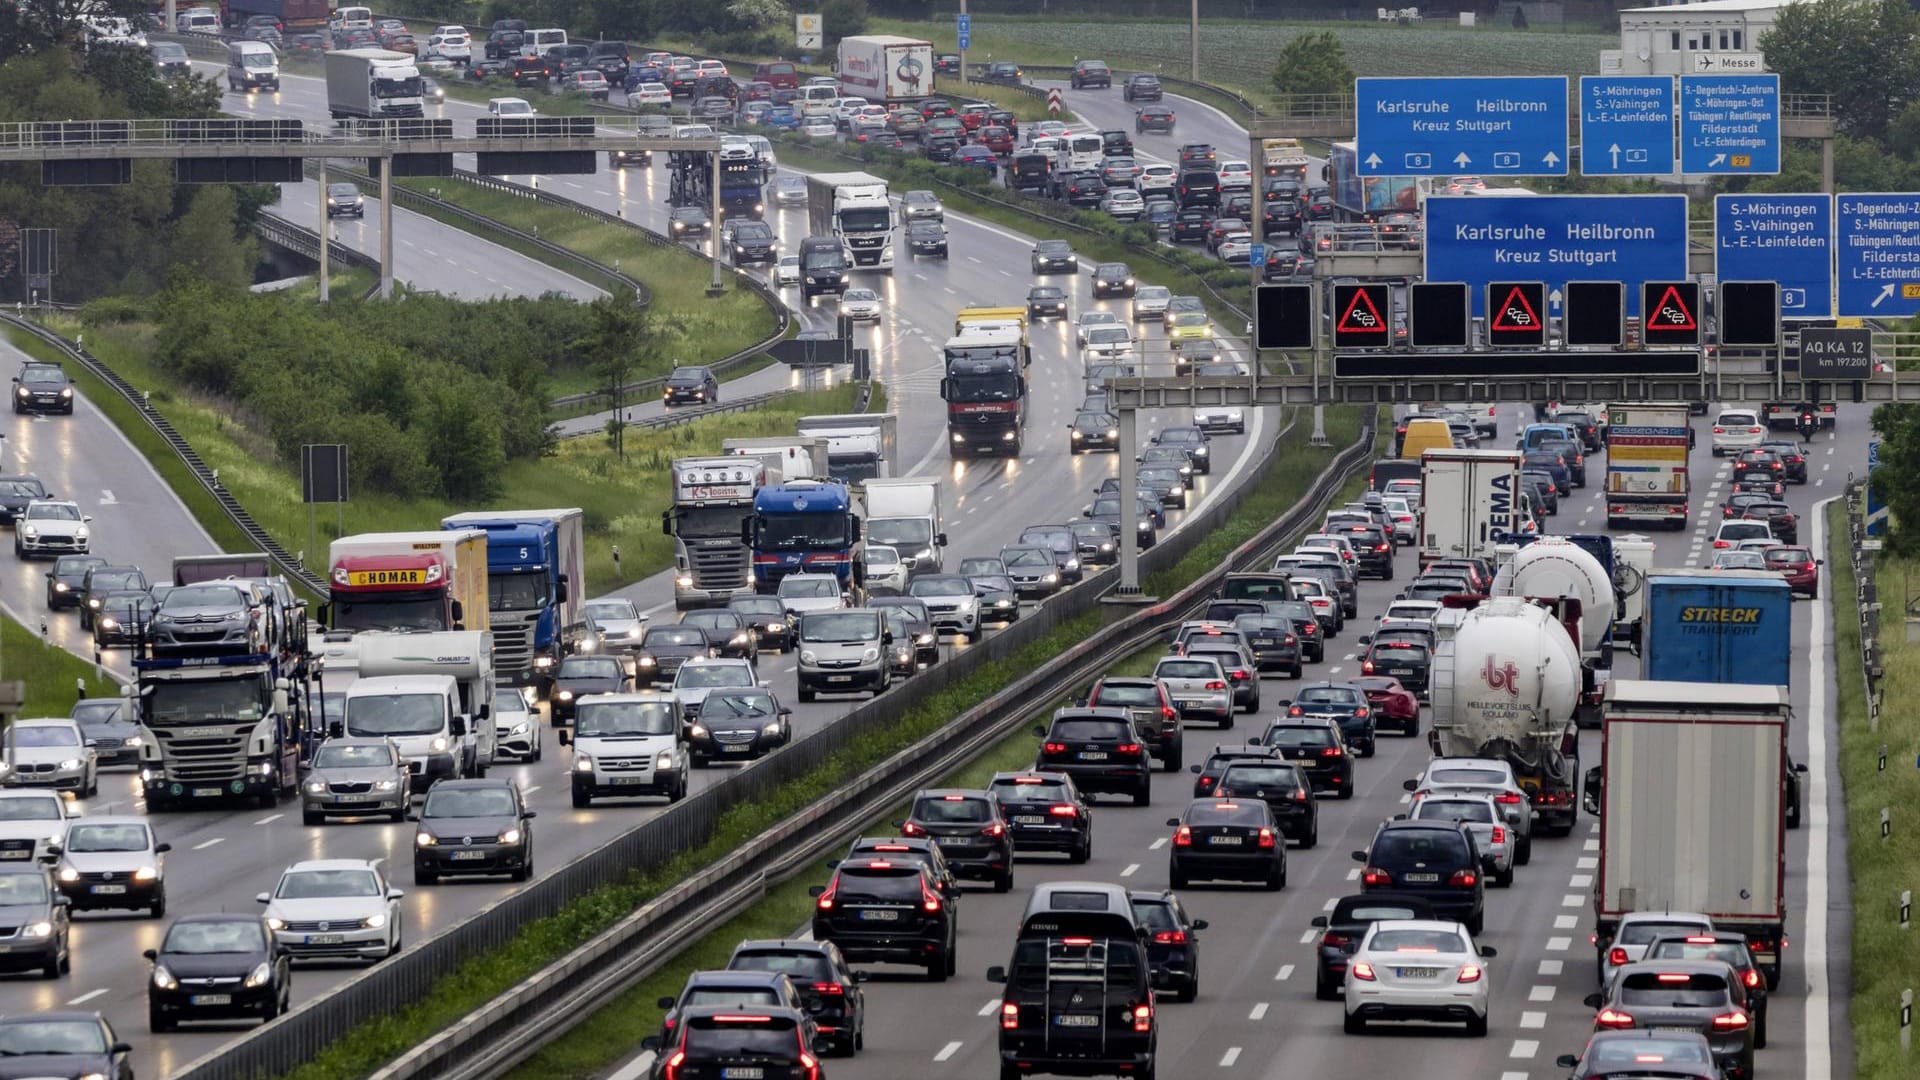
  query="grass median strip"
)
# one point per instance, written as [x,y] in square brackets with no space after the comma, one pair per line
[1884,959]
[46,671]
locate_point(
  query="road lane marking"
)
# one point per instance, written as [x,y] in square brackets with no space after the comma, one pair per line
[1353,874]
[1307,938]
[269,819]
[1819,1063]
[947,1051]
[1232,1055]
[1541,993]
[1586,862]
[1524,1048]
[992,1006]
[1565,922]
[1285,973]
[1552,967]
[530,790]
[1533,1020]
[1590,845]
[1559,944]
[88,996]
[1157,844]
[1259,1011]
[107,499]
[1330,903]
[1132,869]
[205,844]
[1580,881]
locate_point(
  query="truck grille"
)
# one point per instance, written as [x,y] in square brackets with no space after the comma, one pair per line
[716,568]
[203,757]
[512,646]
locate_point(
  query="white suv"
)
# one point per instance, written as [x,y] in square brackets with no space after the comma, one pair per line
[52,527]
[1735,431]
[1450,777]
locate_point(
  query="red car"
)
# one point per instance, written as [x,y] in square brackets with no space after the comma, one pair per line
[1799,567]
[972,117]
[758,91]
[997,139]
[1393,703]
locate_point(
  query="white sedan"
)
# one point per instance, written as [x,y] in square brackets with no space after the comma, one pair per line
[1418,969]
[860,304]
[787,270]
[1236,176]
[819,126]
[650,93]
[1236,248]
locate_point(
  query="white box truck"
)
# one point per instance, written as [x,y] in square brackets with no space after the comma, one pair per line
[787,457]
[905,513]
[1468,498]
[885,68]
[1689,794]
[853,208]
[860,446]
[374,84]
[1647,478]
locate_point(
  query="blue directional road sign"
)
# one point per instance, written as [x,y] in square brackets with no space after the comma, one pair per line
[1257,255]
[963,25]
[1626,125]
[1730,124]
[1878,237]
[1557,238]
[1501,126]
[1783,238]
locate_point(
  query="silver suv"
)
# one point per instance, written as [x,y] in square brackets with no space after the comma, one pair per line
[843,652]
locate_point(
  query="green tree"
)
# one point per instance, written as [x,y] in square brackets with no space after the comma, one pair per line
[205,241]
[459,424]
[1866,53]
[842,18]
[616,331]
[1313,63]
[1897,480]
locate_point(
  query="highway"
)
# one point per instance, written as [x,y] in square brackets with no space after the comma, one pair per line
[222,857]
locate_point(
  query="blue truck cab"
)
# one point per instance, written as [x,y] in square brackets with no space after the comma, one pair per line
[536,573]
[804,527]
[1721,626]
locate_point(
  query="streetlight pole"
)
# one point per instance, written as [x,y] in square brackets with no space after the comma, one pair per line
[1193,42]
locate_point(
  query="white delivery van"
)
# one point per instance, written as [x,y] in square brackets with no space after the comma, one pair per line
[252,65]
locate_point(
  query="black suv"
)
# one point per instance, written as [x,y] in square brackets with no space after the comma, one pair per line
[829,988]
[971,832]
[887,910]
[752,242]
[1319,749]
[713,1037]
[42,388]
[1199,187]
[1090,73]
[1053,1018]
[1227,840]
[1372,550]
[1434,860]
[1044,812]
[1283,786]
[745,990]
[1192,223]
[1173,945]
[1141,88]
[691,386]
[609,58]
[1099,749]
[1401,657]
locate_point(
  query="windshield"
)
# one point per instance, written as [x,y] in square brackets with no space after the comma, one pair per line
[840,628]
[667,637]
[800,966]
[1027,557]
[83,837]
[196,702]
[1127,694]
[590,667]
[1642,932]
[972,388]
[900,532]
[1108,335]
[809,586]
[392,611]
[1453,810]
[700,522]
[696,675]
[953,808]
[23,1036]
[508,701]
[779,532]
[823,257]
[1248,778]
[215,937]
[22,489]
[256,60]
[396,714]
[33,735]
[30,809]
[53,512]
[452,802]
[729,706]
[329,884]
[517,592]
[1299,737]
[1467,776]
[941,587]
[352,757]
[1426,941]
[866,220]
[881,555]
[397,88]
[99,711]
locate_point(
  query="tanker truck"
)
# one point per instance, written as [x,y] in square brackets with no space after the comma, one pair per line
[1563,574]
[1506,681]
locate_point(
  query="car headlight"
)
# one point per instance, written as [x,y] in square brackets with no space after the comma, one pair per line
[37,930]
[69,875]
[1077,435]
[93,602]
[316,787]
[737,639]
[58,586]
[70,763]
[23,391]
[868,656]
[698,731]
[564,695]
[425,839]
[663,760]
[1113,433]
[1051,578]
[379,919]
[164,979]
[965,606]
[33,533]
[1073,564]
[519,729]
[1199,451]
[1146,524]
[582,763]
[776,628]
[924,639]
[807,656]
[147,873]
[106,623]
[644,661]
[261,975]
[510,836]
[386,785]
[1106,546]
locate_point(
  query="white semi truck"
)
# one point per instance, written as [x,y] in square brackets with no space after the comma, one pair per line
[860,446]
[853,208]
[905,513]
[1468,500]
[885,69]
[373,84]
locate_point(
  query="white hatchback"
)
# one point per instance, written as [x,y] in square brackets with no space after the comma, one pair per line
[1735,431]
[336,908]
[787,270]
[1235,176]
[819,127]
[650,93]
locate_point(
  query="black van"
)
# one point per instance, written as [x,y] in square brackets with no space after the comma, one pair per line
[1079,995]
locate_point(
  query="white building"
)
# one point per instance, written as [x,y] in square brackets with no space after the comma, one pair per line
[1710,37]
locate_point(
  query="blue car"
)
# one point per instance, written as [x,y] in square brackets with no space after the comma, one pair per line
[782,118]
[644,74]
[1161,212]
[978,157]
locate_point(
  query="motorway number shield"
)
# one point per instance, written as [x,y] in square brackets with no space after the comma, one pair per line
[206,793]
[1423,877]
[325,939]
[211,999]
[879,915]
[1077,1020]
[1224,841]
[109,890]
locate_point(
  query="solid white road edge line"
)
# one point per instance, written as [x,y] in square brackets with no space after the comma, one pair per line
[1819,1035]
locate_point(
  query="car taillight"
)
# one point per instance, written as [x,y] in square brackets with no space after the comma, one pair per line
[825,902]
[1289,640]
[1616,956]
[1295,710]
[1216,684]
[1266,837]
[1719,430]
[1009,1016]
[1239,674]
[1751,979]
[1168,713]
[1171,937]
[1613,1018]
[1204,782]
[1499,835]
[1332,937]
[811,1066]
[1722,544]
[1361,970]
[1362,713]
[929,900]
[1469,974]
[1128,749]
[1054,747]
[1375,876]
[1332,751]
[1310,629]
[908,828]
[1507,799]
[1366,667]
[1733,1021]
[1753,431]
[1143,1019]
[1183,838]
[829,989]
[1465,879]
[995,829]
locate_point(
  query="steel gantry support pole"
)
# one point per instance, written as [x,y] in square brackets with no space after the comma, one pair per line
[386,227]
[1129,510]
[1193,42]
[326,224]
[714,288]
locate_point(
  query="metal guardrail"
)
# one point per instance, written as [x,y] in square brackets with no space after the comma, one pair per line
[1235,97]
[698,412]
[541,1009]
[258,537]
[304,241]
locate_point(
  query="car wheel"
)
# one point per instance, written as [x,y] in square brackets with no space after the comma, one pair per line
[582,800]
[1346,791]
[1313,836]
[937,967]
[1325,991]
[1355,1025]
[1503,879]
[1477,1027]
[1760,1031]
[158,909]
[308,817]
[1143,794]
[1276,879]
[1003,883]
[806,693]
[1176,877]
[399,939]
[1477,922]
[425,877]
[1175,759]
[157,1021]
[1083,853]
[537,746]
[1367,751]
[1523,853]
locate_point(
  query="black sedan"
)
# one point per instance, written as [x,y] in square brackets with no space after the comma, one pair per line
[80,1044]
[1192,224]
[1403,658]
[1284,787]
[916,642]
[1318,748]
[121,617]
[16,492]
[1191,439]
[109,724]
[665,648]
[999,599]
[1227,840]
[1342,703]
[729,633]
[204,970]
[1157,118]
[686,222]
[738,724]
[1342,929]
[65,580]
[1046,302]
[768,617]
[473,827]
[1045,812]
[1054,257]
[581,675]
[1113,279]
[927,238]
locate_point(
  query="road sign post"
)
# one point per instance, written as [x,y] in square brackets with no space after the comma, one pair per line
[1555,239]
[1878,242]
[1876,506]
[1783,238]
[1730,125]
[1499,126]
[1626,125]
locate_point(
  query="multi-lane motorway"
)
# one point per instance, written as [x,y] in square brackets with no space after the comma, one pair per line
[222,858]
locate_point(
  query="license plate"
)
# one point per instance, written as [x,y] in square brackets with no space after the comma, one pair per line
[1076,1020]
[1422,877]
[325,939]
[1188,703]
[21,854]
[1224,841]
[1400,671]
[1093,755]
[1675,1028]
[109,890]
[879,915]
[742,1072]
[622,781]
[1416,972]
[206,793]
[211,999]
[739,748]
[468,856]
[1029,819]
[839,678]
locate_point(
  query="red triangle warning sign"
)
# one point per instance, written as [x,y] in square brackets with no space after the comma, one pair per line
[1671,313]
[1516,313]
[1362,316]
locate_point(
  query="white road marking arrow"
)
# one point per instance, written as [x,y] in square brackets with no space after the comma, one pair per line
[107,499]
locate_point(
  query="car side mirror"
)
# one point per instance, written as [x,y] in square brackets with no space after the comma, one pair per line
[816,891]
[862,976]
[1358,856]
[565,737]
[530,815]
[1319,921]
[84,518]
[1593,1001]
[457,726]
[666,1003]
[412,816]
[1039,731]
[151,954]
[1409,785]
[1567,1061]
[120,1048]
[1194,769]
[1366,639]
[1799,768]
[652,1042]
[1173,823]
[996,974]
[1488,952]
[162,848]
[262,898]
[396,894]
[1398,817]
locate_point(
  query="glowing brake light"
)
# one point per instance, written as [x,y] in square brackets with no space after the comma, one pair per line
[1506,798]
[830,989]
[1375,876]
[1730,1022]
[1499,835]
[1009,1016]
[1361,970]
[1700,941]
[1751,979]
[1064,810]
[1129,749]
[1366,667]
[673,1064]
[740,1018]
[1616,956]
[1081,942]
[1266,837]
[1674,978]
[1171,937]
[826,898]
[1143,1019]
[1465,879]
[953,798]
[1332,751]
[1183,838]
[908,828]
[1469,974]
[1054,747]
[1613,1018]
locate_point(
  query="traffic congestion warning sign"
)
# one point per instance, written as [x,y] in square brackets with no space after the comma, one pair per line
[1514,308]
[1670,308]
[1362,322]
